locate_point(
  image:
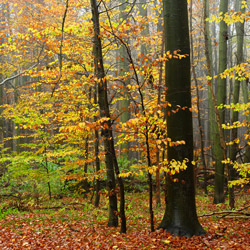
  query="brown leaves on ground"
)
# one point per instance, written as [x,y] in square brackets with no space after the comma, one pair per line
[86,229]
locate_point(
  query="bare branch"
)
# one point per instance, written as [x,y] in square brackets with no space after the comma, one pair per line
[226,213]
[61,47]
[24,71]
[62,35]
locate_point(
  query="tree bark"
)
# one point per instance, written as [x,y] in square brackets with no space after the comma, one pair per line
[107,133]
[221,99]
[124,69]
[246,100]
[180,216]
[236,91]
[104,113]
[198,104]
[97,160]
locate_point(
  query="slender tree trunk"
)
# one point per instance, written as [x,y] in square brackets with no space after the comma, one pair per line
[236,91]
[145,32]
[144,51]
[150,181]
[245,93]
[97,160]
[149,162]
[124,69]
[180,216]
[15,126]
[104,113]
[221,99]
[158,181]
[246,100]
[1,88]
[1,121]
[208,54]
[107,133]
[198,102]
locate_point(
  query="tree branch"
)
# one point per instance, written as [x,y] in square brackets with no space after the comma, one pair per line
[226,213]
[24,71]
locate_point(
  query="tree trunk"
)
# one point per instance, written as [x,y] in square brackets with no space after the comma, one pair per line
[213,126]
[104,113]
[158,181]
[246,100]
[97,160]
[236,91]
[221,99]
[124,69]
[198,103]
[107,133]
[180,216]
[145,32]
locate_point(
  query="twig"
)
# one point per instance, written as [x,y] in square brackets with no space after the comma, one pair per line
[61,47]
[226,213]
[72,229]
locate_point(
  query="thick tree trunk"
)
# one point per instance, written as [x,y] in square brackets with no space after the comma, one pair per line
[180,215]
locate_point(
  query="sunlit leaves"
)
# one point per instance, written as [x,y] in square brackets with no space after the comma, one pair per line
[230,18]
[243,170]
[171,168]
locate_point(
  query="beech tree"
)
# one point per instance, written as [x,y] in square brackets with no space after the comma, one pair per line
[180,216]
[81,78]
[110,155]
[221,99]
[236,91]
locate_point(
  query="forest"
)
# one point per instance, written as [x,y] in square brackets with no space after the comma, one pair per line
[124,124]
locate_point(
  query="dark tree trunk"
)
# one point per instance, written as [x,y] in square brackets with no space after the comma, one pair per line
[108,139]
[104,113]
[180,215]
[97,160]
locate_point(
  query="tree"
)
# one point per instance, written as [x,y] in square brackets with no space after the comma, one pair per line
[110,155]
[124,69]
[198,102]
[180,216]
[236,91]
[208,55]
[221,99]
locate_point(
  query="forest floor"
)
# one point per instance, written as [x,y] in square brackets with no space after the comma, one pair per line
[77,224]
